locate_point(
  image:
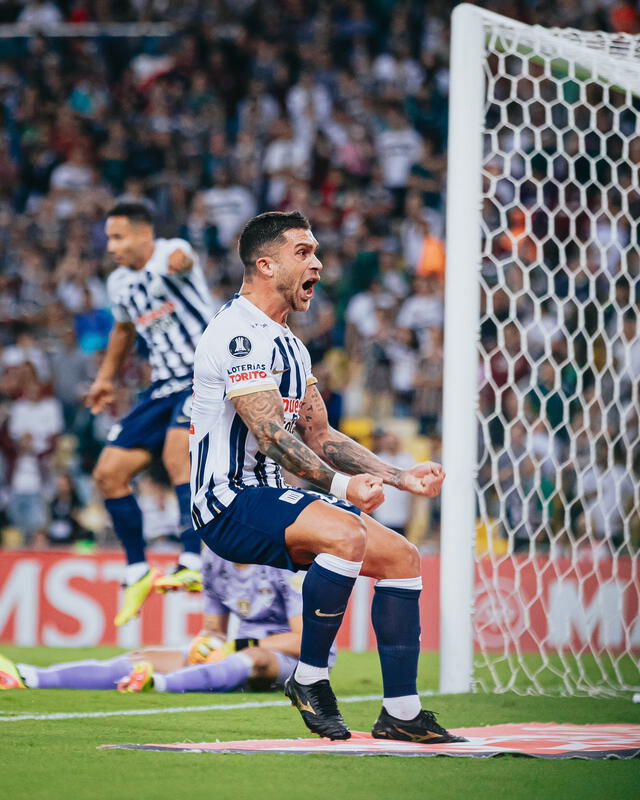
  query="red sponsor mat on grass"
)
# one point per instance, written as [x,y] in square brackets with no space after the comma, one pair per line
[536,739]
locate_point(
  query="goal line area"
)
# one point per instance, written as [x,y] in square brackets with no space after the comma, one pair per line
[542,359]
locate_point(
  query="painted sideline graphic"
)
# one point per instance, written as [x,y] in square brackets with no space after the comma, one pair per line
[59,599]
[535,739]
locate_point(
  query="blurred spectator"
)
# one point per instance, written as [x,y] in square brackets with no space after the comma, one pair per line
[72,372]
[607,490]
[427,405]
[160,514]
[27,351]
[69,179]
[40,15]
[431,261]
[285,157]
[398,148]
[626,352]
[198,230]
[332,398]
[397,508]
[424,308]
[360,315]
[64,509]
[36,413]
[27,483]
[228,206]
[403,353]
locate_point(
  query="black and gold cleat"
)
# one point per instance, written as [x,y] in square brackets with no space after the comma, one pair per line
[318,707]
[422,729]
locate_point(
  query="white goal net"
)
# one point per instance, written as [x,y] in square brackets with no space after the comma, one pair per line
[557,351]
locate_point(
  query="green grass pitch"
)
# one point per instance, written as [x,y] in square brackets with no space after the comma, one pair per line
[58,759]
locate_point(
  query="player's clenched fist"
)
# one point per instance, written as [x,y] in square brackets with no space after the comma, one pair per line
[179,261]
[365,491]
[101,395]
[424,479]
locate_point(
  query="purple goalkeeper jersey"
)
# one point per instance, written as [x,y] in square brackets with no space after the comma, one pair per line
[263,598]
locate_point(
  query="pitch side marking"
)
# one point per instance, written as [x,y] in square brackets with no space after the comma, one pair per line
[140,712]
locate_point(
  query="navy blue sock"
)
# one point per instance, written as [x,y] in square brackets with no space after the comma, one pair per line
[127,523]
[325,595]
[395,614]
[190,538]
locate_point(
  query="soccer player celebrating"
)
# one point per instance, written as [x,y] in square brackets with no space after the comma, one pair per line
[268,604]
[254,390]
[157,291]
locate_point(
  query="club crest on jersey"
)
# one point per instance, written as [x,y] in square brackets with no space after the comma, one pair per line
[240,346]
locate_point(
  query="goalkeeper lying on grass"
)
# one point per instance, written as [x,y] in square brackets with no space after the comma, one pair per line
[268,602]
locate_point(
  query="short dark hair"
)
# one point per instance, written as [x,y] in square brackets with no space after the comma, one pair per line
[265,229]
[134,212]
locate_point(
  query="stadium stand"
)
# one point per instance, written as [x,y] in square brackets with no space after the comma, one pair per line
[211,112]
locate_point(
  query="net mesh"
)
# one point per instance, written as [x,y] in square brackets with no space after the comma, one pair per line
[558,471]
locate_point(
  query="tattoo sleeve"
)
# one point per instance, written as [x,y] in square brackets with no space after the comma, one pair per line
[348,456]
[262,413]
[338,450]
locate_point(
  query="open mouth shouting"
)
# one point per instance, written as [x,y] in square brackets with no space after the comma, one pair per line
[307,287]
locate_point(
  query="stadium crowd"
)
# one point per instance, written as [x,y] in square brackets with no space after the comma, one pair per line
[338,109]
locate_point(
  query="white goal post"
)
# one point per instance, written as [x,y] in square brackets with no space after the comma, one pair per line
[541,417]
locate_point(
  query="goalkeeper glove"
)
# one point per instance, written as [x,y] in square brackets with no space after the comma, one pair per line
[212,648]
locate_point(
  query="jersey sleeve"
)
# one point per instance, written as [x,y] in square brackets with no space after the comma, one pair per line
[183,244]
[118,309]
[159,262]
[245,358]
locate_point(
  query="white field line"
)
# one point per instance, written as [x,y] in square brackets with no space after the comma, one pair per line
[140,712]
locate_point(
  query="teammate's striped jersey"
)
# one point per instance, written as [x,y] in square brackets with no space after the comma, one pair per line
[242,350]
[170,312]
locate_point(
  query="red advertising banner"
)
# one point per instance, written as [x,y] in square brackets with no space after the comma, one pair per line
[62,598]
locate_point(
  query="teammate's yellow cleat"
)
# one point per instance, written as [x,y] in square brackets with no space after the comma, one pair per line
[10,678]
[189,580]
[134,597]
[140,679]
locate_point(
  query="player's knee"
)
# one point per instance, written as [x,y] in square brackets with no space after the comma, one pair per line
[177,466]
[110,482]
[405,560]
[103,478]
[172,465]
[352,540]
[413,558]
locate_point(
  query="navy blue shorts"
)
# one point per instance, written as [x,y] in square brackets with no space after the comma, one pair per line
[146,425]
[251,530]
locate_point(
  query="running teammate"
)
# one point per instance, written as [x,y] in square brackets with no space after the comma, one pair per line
[263,653]
[157,291]
[254,390]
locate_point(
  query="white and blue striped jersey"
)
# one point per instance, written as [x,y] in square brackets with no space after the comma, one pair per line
[170,312]
[242,351]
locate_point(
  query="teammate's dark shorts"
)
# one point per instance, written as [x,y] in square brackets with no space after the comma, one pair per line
[146,425]
[251,530]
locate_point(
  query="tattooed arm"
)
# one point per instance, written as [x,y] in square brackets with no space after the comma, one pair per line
[262,413]
[346,455]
